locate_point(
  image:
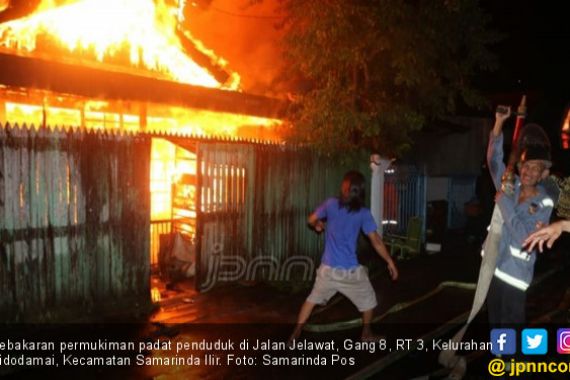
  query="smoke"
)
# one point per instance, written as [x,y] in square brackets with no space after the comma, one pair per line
[245,33]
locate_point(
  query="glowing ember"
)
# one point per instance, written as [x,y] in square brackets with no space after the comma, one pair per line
[137,31]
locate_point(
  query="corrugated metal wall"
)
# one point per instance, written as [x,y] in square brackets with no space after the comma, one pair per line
[74,222]
[255,200]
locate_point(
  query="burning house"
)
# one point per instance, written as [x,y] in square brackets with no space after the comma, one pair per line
[124,66]
[117,127]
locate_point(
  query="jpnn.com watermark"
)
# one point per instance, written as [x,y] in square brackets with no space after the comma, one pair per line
[222,268]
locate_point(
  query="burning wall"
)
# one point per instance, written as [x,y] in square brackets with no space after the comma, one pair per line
[123,65]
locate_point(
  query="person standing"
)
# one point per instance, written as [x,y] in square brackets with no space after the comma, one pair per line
[521,212]
[345,218]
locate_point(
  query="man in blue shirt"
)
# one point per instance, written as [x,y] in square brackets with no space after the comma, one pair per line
[522,212]
[340,271]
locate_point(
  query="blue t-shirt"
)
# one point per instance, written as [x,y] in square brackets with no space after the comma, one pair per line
[341,232]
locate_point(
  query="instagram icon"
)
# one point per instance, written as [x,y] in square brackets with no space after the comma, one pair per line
[563,341]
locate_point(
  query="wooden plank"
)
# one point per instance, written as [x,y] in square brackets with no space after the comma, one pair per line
[57,241]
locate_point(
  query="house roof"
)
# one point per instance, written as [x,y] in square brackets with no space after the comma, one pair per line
[28,72]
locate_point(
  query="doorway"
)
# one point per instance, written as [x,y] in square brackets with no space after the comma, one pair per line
[173,186]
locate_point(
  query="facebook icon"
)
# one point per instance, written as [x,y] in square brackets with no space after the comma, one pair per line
[503,341]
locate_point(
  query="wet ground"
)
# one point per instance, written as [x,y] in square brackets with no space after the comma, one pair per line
[239,330]
[274,303]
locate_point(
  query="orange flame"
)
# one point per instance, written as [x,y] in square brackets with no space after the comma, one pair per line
[565,132]
[138,31]
[155,294]
[141,34]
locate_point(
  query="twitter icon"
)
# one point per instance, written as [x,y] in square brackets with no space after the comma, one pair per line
[534,341]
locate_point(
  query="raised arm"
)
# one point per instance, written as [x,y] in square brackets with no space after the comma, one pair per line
[495,148]
[500,120]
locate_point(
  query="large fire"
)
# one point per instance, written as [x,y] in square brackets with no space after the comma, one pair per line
[112,31]
[141,36]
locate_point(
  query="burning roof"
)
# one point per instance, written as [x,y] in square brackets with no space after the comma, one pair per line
[124,64]
[144,35]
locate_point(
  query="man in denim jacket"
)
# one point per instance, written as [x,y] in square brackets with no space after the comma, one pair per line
[522,212]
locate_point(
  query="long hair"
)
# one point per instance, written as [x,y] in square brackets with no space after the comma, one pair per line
[352,191]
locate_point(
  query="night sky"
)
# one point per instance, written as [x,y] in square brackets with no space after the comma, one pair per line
[534,52]
[534,57]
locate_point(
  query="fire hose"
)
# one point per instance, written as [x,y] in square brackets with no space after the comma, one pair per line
[391,358]
[448,358]
[459,363]
[352,323]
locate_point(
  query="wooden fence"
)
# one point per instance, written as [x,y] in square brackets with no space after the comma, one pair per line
[74,222]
